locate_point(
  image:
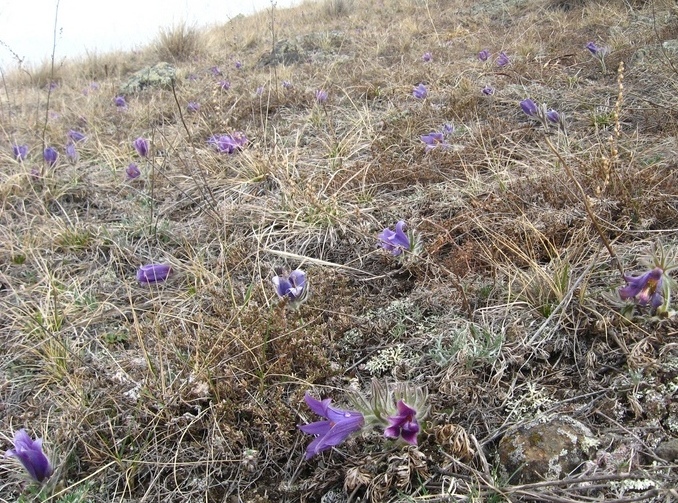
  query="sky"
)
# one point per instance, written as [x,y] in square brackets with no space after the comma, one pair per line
[99,26]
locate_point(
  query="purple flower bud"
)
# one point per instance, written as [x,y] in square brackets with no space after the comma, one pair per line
[403,424]
[484,55]
[427,57]
[141,146]
[193,107]
[395,242]
[20,152]
[503,59]
[420,92]
[75,135]
[338,424]
[488,91]
[448,128]
[238,65]
[72,153]
[529,107]
[287,84]
[29,452]
[132,171]
[215,71]
[153,273]
[321,96]
[591,46]
[50,155]
[224,85]
[553,116]
[120,102]
[52,85]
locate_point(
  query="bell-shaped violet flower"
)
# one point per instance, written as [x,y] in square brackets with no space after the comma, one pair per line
[72,153]
[336,427]
[487,90]
[596,50]
[434,140]
[132,171]
[215,71]
[427,57]
[153,273]
[50,155]
[321,96]
[228,143]
[503,59]
[529,107]
[75,136]
[20,152]
[29,452]
[395,242]
[120,102]
[420,92]
[484,55]
[553,116]
[224,85]
[292,287]
[238,65]
[141,146]
[646,288]
[403,424]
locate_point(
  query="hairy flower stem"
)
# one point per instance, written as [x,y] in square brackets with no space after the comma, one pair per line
[587,206]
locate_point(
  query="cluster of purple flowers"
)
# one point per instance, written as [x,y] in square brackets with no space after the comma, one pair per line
[437,139]
[502,58]
[542,114]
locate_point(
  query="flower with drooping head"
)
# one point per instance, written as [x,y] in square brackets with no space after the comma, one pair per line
[645,289]
[153,273]
[503,59]
[292,287]
[336,427]
[132,171]
[29,452]
[50,155]
[484,55]
[427,57]
[75,136]
[529,107]
[120,102]
[395,241]
[321,96]
[403,424]
[72,153]
[20,152]
[487,90]
[434,140]
[420,92]
[228,143]
[224,85]
[141,146]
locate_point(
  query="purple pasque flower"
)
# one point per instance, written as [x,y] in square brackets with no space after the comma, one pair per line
[427,57]
[395,241]
[553,116]
[228,143]
[503,59]
[484,55]
[420,92]
[71,152]
[120,102]
[75,136]
[141,146]
[20,152]
[292,287]
[224,85]
[50,155]
[287,84]
[193,107]
[238,64]
[321,96]
[403,424]
[487,90]
[529,107]
[132,171]
[434,140]
[153,273]
[214,70]
[596,50]
[646,288]
[29,452]
[448,128]
[336,427]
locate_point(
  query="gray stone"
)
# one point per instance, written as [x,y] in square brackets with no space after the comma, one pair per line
[161,75]
[668,450]
[285,52]
[545,449]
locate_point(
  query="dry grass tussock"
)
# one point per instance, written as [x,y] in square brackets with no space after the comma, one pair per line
[192,389]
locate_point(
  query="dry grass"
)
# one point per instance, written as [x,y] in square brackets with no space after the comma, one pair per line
[191,390]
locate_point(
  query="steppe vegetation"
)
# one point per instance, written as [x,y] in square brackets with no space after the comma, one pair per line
[143,338]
